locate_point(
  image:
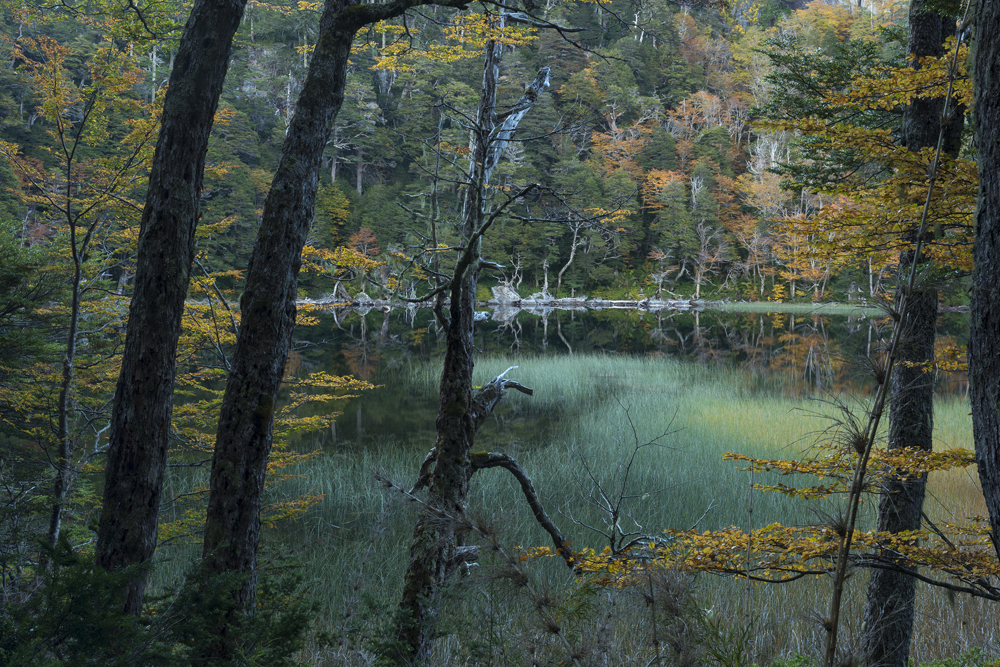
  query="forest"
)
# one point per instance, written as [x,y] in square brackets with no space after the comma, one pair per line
[200,204]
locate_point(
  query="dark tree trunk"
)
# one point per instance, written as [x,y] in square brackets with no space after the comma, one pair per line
[891,593]
[984,329]
[437,552]
[141,412]
[243,443]
[434,553]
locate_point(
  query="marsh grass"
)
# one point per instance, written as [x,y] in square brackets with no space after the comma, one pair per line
[791,307]
[595,410]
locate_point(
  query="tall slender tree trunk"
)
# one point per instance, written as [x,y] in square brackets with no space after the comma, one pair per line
[572,255]
[243,442]
[891,593]
[984,328]
[436,552]
[359,164]
[65,468]
[141,412]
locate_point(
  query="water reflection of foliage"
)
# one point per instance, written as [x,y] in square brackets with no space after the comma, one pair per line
[796,354]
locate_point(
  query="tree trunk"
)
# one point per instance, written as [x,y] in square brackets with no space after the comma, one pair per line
[890,604]
[436,552]
[889,609]
[434,555]
[984,329]
[572,256]
[65,467]
[141,411]
[359,164]
[243,442]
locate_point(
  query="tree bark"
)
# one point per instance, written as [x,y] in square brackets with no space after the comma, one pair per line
[572,255]
[891,593]
[243,442]
[141,412]
[436,552]
[984,328]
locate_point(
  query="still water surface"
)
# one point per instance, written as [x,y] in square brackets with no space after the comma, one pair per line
[792,355]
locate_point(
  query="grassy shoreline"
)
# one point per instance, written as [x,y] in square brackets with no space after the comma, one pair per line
[355,543]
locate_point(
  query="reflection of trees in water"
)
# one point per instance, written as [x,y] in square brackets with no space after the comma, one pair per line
[809,359]
[514,329]
[801,353]
[697,342]
[359,352]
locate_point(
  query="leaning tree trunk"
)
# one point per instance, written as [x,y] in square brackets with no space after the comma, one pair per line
[436,552]
[984,329]
[140,422]
[243,442]
[888,625]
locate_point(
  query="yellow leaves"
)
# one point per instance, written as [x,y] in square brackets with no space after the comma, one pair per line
[839,465]
[763,193]
[872,218]
[777,552]
[207,230]
[339,262]
[890,88]
[465,36]
[609,218]
[475,30]
[461,149]
[285,10]
[951,358]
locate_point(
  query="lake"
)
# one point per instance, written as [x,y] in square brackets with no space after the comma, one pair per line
[676,389]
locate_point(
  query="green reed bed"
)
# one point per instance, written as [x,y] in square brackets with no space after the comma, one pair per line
[591,412]
[792,307]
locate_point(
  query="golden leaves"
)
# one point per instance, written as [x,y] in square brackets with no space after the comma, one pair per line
[874,217]
[777,552]
[465,36]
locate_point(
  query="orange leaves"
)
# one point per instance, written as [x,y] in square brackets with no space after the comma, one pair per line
[619,148]
[460,149]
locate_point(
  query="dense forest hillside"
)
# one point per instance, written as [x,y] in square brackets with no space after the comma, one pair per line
[655,175]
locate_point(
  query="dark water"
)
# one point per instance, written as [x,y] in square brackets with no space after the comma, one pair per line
[795,354]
